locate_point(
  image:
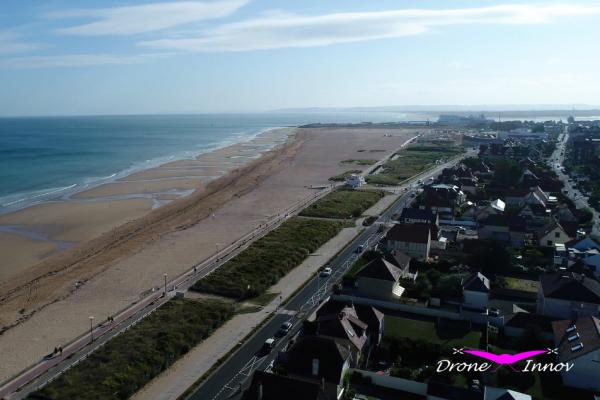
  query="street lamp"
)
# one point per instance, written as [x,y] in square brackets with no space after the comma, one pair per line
[165,275]
[91,329]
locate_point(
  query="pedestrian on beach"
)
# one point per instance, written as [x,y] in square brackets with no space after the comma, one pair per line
[55,350]
[60,350]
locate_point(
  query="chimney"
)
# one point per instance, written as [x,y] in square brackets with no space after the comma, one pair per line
[315,367]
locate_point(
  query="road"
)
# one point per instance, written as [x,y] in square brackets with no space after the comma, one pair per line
[581,201]
[232,374]
[53,365]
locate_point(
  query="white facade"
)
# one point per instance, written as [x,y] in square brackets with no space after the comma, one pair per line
[554,236]
[420,251]
[475,299]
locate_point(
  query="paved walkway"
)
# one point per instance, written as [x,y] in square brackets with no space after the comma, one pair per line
[175,380]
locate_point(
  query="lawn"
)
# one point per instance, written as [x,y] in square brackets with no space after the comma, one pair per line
[412,161]
[343,203]
[342,177]
[525,285]
[270,258]
[126,363]
[427,331]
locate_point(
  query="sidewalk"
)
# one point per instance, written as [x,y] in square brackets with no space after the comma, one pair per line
[174,381]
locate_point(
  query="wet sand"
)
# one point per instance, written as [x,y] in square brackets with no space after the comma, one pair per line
[119,265]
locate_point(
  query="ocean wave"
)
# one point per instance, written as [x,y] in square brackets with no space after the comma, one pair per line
[20,200]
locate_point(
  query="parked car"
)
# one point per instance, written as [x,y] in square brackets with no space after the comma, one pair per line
[326,272]
[360,249]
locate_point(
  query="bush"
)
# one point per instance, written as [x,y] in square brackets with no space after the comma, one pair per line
[268,259]
[343,203]
[126,363]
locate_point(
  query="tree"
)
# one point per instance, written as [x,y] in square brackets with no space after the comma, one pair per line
[490,257]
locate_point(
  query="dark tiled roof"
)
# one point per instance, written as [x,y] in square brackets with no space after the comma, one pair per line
[272,387]
[448,392]
[477,283]
[570,286]
[344,325]
[328,351]
[413,233]
[415,213]
[524,320]
[586,332]
[399,259]
[380,269]
[368,314]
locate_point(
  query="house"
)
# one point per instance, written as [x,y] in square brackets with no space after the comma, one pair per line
[492,393]
[355,181]
[504,228]
[567,295]
[346,327]
[476,291]
[552,234]
[411,239]
[535,214]
[418,216]
[407,269]
[380,279]
[320,360]
[578,343]
[269,386]
[366,313]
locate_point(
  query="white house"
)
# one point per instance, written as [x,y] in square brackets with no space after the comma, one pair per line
[552,234]
[568,295]
[578,343]
[411,239]
[476,291]
[355,180]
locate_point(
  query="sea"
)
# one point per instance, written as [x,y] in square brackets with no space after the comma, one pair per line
[50,158]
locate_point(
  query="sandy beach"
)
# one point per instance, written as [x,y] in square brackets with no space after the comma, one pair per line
[125,235]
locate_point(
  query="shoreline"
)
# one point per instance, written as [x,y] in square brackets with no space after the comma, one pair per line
[87,183]
[49,304]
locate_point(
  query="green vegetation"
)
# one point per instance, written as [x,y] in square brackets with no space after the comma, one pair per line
[268,259]
[412,161]
[521,284]
[396,327]
[343,203]
[361,161]
[126,363]
[342,177]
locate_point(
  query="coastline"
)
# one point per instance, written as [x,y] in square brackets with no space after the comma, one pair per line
[44,230]
[49,304]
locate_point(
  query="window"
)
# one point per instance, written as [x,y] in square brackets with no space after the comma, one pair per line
[549,242]
[556,234]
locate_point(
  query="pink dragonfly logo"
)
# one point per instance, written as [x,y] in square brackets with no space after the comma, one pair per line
[505,359]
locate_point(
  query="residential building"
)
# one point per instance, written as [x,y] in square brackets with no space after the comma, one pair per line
[411,239]
[552,234]
[476,291]
[578,343]
[492,393]
[568,295]
[418,216]
[270,386]
[366,313]
[379,279]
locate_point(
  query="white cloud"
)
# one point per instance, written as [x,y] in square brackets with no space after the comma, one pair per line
[75,60]
[11,43]
[130,20]
[277,30]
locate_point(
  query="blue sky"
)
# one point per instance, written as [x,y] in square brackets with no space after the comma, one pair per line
[60,57]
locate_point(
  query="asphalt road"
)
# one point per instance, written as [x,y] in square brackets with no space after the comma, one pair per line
[581,201]
[228,378]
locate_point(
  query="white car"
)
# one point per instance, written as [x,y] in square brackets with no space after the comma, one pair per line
[326,272]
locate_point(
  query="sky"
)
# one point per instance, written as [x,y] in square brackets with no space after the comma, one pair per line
[60,57]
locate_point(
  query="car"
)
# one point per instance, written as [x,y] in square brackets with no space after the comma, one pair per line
[285,328]
[326,272]
[268,345]
[360,249]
